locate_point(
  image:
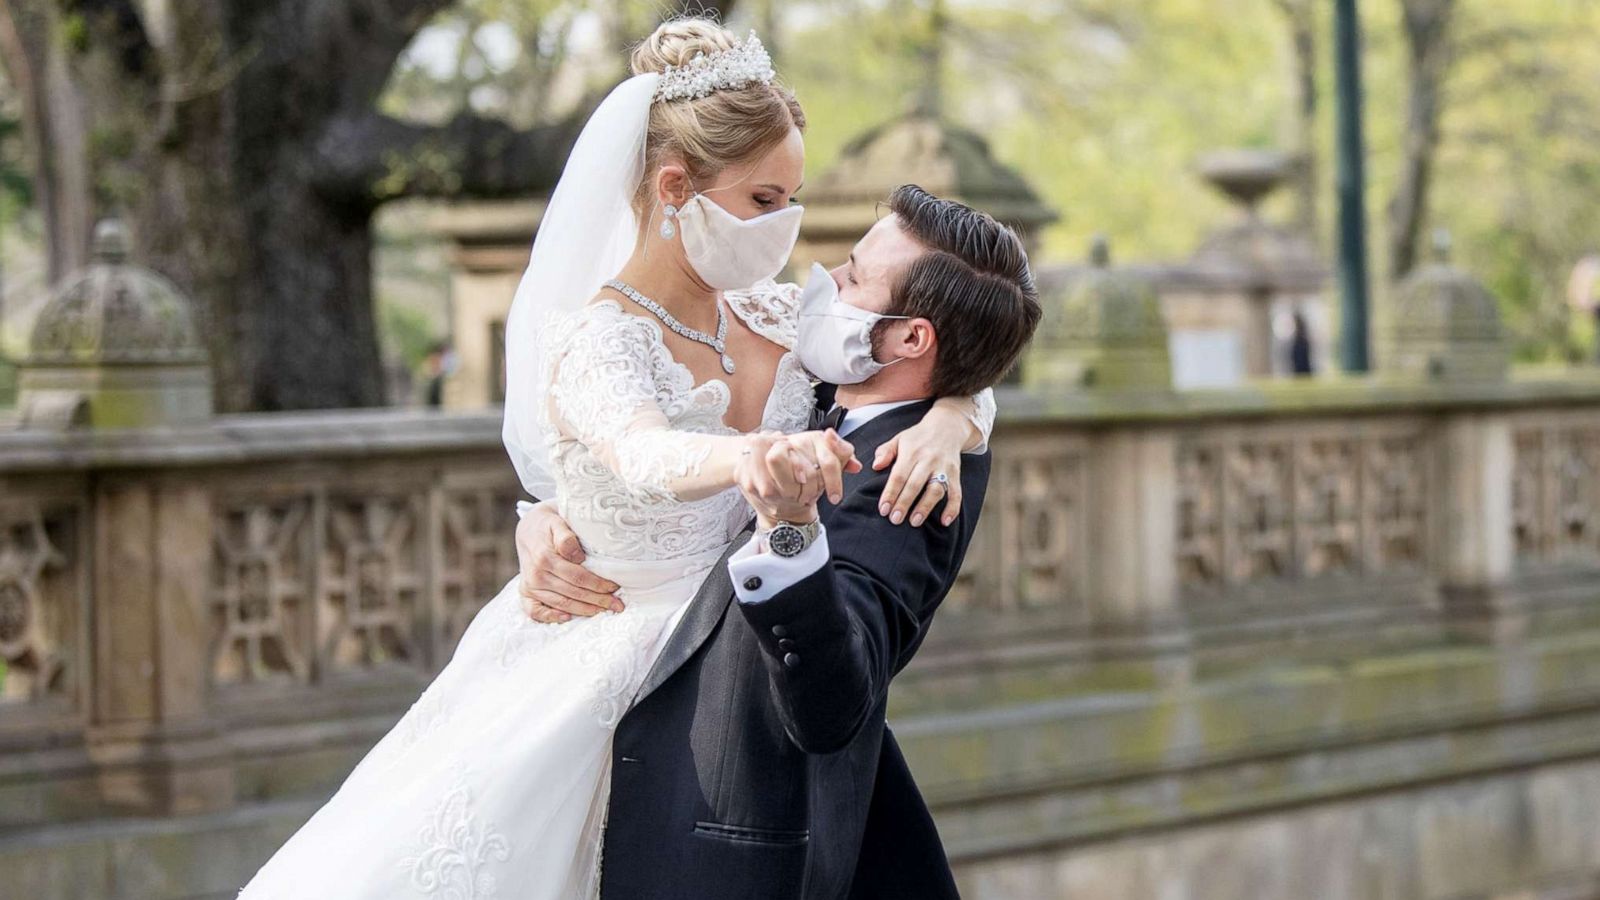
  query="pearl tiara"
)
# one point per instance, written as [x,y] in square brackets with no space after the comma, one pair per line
[740,66]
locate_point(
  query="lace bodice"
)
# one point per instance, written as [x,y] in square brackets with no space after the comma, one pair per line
[628,435]
[629,431]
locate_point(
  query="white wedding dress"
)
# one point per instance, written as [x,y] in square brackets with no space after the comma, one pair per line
[495,783]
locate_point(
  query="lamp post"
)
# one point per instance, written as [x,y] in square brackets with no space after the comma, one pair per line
[1353,302]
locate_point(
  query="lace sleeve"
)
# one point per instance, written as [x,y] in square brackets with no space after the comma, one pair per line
[771,309]
[603,394]
[982,417]
[979,410]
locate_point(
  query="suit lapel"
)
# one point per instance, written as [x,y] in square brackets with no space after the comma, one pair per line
[705,611]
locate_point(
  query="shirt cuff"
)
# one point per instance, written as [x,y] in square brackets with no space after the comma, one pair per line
[758,576]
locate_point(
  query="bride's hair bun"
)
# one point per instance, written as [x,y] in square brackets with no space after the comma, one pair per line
[677,41]
[709,133]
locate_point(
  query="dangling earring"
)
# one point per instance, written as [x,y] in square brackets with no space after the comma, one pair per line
[667,228]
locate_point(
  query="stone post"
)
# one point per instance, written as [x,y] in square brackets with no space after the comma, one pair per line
[1474,535]
[489,244]
[1445,328]
[157,751]
[116,347]
[1132,568]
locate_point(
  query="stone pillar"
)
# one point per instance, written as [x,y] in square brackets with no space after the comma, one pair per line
[1132,566]
[490,243]
[116,347]
[1130,560]
[1444,327]
[1473,544]
[156,750]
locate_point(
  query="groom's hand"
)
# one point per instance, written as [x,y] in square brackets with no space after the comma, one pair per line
[552,580]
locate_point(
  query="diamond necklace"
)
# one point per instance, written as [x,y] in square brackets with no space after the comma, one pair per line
[715,343]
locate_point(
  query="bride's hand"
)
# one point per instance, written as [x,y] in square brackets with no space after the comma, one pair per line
[827,455]
[928,447]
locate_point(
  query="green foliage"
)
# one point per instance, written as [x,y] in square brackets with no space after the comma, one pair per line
[16,186]
[1104,106]
[74,32]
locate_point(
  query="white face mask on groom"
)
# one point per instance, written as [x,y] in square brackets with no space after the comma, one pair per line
[730,253]
[835,338]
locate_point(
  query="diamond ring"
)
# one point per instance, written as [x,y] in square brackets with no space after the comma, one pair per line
[940,478]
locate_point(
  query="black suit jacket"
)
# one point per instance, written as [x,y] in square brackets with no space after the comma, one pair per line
[756,763]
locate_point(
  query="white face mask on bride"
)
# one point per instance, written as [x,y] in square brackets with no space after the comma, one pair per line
[730,253]
[835,338]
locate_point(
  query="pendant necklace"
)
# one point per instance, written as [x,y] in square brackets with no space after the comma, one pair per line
[716,343]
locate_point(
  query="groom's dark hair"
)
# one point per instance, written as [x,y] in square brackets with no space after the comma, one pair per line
[974,284]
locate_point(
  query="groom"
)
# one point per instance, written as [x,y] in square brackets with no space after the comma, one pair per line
[756,761]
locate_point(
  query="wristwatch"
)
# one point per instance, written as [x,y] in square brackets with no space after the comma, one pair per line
[787,539]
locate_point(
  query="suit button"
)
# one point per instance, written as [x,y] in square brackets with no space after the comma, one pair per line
[791,659]
[786,644]
[779,631]
[752,583]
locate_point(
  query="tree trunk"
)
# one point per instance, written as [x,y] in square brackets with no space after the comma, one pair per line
[55,135]
[1426,25]
[1302,139]
[240,140]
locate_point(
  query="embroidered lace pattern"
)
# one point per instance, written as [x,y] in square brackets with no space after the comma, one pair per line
[628,437]
[456,849]
[772,310]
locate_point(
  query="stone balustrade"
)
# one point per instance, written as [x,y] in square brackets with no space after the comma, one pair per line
[198,618]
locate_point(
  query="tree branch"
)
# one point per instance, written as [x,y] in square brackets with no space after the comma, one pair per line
[373,158]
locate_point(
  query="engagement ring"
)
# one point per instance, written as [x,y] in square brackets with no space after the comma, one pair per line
[940,478]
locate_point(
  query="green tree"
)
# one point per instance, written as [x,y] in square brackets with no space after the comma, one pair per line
[246,143]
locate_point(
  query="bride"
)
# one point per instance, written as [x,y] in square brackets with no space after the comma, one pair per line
[646,343]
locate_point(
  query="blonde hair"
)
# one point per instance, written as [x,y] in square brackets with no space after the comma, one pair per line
[713,132]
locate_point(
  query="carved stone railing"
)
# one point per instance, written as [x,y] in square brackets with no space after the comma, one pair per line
[195,617]
[179,607]
[1160,521]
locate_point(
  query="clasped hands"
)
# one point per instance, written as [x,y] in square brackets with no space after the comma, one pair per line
[782,476]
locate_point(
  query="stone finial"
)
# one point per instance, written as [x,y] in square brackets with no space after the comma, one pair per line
[115,345]
[1103,329]
[1441,245]
[1100,251]
[110,245]
[1444,325]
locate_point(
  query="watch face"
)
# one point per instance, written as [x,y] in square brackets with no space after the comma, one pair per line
[786,540]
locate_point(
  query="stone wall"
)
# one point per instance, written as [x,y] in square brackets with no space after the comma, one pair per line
[1320,640]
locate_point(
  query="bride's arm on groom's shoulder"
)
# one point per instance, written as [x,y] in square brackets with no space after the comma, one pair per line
[953,428]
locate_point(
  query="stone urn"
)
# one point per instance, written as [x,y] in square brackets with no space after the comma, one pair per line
[115,346]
